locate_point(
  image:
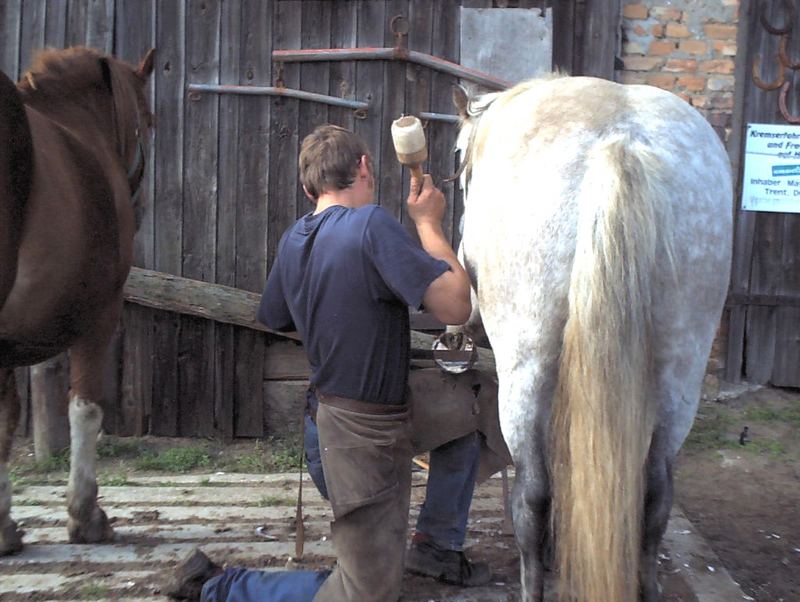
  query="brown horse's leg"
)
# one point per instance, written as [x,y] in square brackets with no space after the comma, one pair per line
[10,537]
[87,523]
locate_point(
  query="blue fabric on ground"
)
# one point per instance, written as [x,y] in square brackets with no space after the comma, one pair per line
[248,585]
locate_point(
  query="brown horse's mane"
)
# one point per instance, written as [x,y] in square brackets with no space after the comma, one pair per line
[63,72]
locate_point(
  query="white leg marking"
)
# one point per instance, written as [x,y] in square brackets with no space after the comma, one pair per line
[85,418]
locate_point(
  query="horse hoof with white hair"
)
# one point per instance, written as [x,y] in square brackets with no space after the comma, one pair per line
[597,232]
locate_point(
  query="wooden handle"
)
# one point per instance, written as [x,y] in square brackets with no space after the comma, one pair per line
[417,171]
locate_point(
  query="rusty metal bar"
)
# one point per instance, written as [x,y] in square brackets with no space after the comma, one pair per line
[390,54]
[438,117]
[278,91]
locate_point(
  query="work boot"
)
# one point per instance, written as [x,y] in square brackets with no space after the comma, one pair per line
[190,576]
[450,566]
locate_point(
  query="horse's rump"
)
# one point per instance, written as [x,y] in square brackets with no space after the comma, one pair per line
[71,249]
[15,179]
[598,216]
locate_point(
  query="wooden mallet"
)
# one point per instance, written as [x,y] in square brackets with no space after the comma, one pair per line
[409,144]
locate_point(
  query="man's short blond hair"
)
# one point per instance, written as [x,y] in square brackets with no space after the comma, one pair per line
[329,159]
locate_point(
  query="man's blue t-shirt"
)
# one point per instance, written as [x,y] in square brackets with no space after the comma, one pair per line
[344,279]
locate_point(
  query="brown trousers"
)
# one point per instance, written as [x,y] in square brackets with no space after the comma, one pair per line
[370,456]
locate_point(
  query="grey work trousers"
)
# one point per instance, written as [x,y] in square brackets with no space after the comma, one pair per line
[370,454]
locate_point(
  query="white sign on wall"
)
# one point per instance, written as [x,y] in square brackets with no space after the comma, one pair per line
[771,180]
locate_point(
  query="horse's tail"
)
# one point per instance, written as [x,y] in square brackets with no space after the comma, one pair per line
[602,419]
[16,170]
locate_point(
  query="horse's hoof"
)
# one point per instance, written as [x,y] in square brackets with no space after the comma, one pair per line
[96,530]
[10,539]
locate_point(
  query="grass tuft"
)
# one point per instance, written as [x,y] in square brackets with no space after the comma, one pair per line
[178,459]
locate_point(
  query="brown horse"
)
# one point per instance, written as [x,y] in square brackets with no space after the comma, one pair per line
[72,136]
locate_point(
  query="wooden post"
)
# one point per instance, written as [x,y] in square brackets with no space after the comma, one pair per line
[49,388]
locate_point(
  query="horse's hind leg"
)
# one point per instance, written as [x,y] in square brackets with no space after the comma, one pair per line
[524,424]
[10,537]
[658,501]
[87,523]
[530,503]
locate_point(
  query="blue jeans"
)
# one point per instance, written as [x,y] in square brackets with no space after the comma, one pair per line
[443,518]
[246,585]
[448,496]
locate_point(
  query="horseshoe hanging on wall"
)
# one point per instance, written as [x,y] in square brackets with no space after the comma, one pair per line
[782,105]
[757,76]
[783,54]
[790,15]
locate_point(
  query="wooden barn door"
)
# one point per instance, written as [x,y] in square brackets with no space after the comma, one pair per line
[764,332]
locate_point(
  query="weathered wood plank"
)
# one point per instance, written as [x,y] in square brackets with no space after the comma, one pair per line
[564,25]
[169,75]
[284,197]
[284,407]
[32,32]
[100,25]
[390,177]
[10,27]
[445,43]
[418,95]
[601,28]
[251,212]
[344,18]
[315,32]
[196,298]
[77,22]
[55,33]
[49,386]
[197,346]
[285,360]
[369,78]
[133,37]
[756,106]
[228,174]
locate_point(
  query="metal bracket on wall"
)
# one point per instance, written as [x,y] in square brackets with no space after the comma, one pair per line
[400,52]
[358,105]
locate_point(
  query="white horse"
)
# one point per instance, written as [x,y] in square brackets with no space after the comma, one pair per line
[597,232]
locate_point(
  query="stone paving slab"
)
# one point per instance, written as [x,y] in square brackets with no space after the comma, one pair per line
[701,567]
[231,511]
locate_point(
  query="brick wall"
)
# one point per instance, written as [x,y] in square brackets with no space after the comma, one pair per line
[687,47]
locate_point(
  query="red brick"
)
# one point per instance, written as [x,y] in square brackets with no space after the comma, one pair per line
[657,31]
[641,63]
[634,11]
[692,83]
[693,47]
[684,96]
[632,77]
[720,31]
[665,14]
[661,48]
[723,48]
[677,30]
[681,66]
[632,48]
[661,80]
[726,66]
[640,31]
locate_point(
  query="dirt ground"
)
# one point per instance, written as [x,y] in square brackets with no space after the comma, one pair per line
[743,499]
